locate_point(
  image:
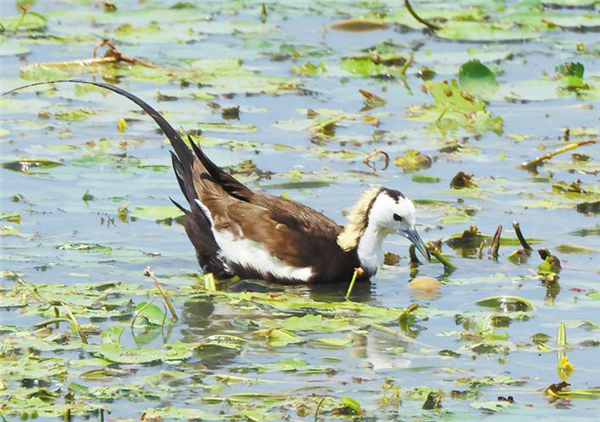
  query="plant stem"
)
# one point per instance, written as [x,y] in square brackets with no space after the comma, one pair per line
[495,244]
[148,273]
[319,408]
[406,65]
[412,252]
[20,20]
[438,255]
[368,158]
[357,271]
[520,236]
[480,249]
[51,321]
[209,282]
[418,18]
[561,150]
[75,323]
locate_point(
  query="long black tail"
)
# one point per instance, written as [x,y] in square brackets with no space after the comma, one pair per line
[197,225]
[183,152]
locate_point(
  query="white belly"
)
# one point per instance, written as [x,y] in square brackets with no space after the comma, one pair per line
[251,254]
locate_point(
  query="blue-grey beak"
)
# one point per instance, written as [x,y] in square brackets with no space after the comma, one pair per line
[413,236]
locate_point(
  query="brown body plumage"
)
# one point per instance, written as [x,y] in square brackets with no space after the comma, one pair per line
[293,233]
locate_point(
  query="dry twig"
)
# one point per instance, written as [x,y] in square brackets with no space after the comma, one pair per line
[112,55]
[561,150]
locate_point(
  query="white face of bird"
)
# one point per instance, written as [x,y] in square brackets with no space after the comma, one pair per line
[392,212]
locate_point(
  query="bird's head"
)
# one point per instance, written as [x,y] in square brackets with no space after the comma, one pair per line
[392,212]
[386,211]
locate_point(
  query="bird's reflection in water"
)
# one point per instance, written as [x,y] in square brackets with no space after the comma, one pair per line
[336,292]
[202,318]
[378,351]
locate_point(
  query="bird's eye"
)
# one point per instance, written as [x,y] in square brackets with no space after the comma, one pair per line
[397,217]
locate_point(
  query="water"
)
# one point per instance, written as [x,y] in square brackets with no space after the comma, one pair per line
[54,214]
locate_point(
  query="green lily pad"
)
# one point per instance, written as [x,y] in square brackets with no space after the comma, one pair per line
[477,79]
[86,247]
[9,231]
[492,406]
[593,295]
[150,314]
[575,249]
[486,32]
[334,341]
[455,109]
[181,413]
[425,178]
[156,213]
[29,22]
[412,161]
[352,404]
[27,165]
[507,303]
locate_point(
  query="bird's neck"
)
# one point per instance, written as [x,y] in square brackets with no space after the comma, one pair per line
[369,248]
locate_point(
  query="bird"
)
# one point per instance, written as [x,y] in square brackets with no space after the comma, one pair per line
[255,235]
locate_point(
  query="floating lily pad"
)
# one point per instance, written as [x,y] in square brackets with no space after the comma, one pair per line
[358,25]
[507,303]
[575,249]
[486,32]
[492,406]
[157,212]
[29,22]
[27,165]
[477,79]
[151,314]
[412,161]
[86,247]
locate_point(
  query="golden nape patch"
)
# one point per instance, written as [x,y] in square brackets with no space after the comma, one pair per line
[357,220]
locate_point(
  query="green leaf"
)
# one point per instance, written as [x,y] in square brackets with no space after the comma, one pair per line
[334,341]
[86,247]
[485,31]
[9,231]
[29,22]
[424,178]
[150,314]
[575,249]
[156,213]
[455,109]
[112,335]
[493,406]
[74,115]
[11,217]
[181,413]
[358,25]
[309,69]
[352,404]
[507,303]
[477,79]
[27,165]
[412,161]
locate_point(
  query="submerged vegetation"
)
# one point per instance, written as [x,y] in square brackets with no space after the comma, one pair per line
[483,112]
